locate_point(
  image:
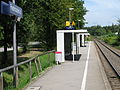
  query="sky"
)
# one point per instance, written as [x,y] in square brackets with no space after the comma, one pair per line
[102,12]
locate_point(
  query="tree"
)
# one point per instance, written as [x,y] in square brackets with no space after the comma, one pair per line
[54,17]
[5,31]
[1,36]
[41,19]
[119,32]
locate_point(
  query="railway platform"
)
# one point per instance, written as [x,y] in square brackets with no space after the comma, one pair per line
[85,74]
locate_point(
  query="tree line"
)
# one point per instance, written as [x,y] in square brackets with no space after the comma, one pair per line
[98,30]
[41,19]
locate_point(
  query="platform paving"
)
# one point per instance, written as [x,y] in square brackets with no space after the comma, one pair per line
[85,74]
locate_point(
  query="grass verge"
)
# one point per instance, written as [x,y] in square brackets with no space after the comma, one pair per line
[46,61]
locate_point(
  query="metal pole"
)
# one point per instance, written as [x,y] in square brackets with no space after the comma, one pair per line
[1,81]
[13,1]
[14,44]
[14,41]
[69,16]
[78,24]
[15,73]
[73,45]
[70,19]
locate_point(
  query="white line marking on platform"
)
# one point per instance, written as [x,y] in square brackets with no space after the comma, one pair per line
[86,69]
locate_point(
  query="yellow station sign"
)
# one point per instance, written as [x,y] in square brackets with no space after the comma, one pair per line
[73,23]
[67,23]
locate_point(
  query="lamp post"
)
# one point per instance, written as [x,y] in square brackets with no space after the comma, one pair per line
[70,9]
[70,20]
[79,24]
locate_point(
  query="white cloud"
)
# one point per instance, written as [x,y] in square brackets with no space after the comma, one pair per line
[102,12]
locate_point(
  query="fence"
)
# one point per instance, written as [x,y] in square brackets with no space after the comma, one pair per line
[37,61]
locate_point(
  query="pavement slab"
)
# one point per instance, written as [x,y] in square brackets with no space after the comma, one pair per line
[69,75]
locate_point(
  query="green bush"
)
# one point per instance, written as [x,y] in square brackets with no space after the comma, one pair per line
[111,39]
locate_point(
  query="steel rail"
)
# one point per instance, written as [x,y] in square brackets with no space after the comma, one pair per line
[116,53]
[96,42]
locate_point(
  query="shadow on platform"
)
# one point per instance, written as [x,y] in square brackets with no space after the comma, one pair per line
[70,57]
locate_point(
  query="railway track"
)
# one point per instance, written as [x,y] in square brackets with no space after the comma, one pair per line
[111,62]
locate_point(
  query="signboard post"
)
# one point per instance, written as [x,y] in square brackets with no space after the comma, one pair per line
[13,10]
[15,73]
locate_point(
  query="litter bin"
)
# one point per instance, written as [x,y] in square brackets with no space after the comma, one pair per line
[58,57]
